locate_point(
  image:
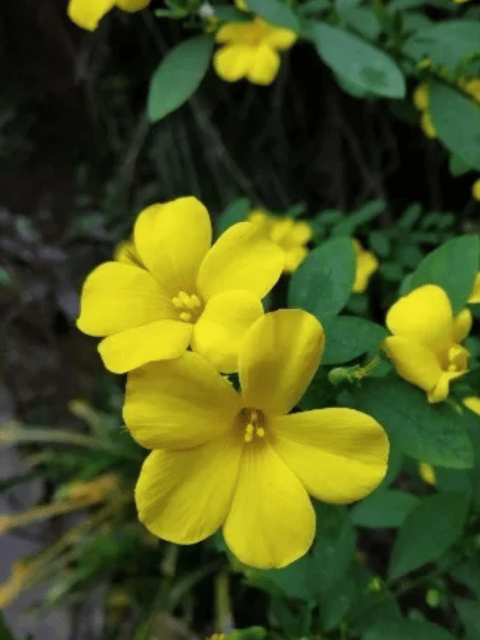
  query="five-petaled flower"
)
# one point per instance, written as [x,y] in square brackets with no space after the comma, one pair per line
[250,50]
[366,264]
[425,347]
[170,290]
[236,460]
[290,235]
[88,13]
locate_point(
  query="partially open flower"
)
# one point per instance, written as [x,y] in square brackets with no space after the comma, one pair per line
[425,347]
[88,13]
[236,460]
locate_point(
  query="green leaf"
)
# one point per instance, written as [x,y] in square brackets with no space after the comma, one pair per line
[347,337]
[457,166]
[468,573]
[231,14]
[469,612]
[429,530]
[178,76]
[276,12]
[252,633]
[448,42]
[311,7]
[293,581]
[323,282]
[453,266]
[236,211]
[380,243]
[5,633]
[432,433]
[384,508]
[406,630]
[368,212]
[457,121]
[358,62]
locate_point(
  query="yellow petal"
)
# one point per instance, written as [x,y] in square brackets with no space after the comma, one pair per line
[340,455]
[476,191]
[264,65]
[421,96]
[118,296]
[230,32]
[271,522]
[424,315]
[88,13]
[132,5]
[278,359]
[172,240]
[475,295]
[462,325]
[280,38]
[366,264]
[178,403]
[427,125]
[184,496]
[222,326]
[160,340]
[293,258]
[427,473]
[472,403]
[413,362]
[441,390]
[232,61]
[242,258]
[125,252]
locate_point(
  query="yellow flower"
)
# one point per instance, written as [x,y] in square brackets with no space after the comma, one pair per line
[472,403]
[291,236]
[476,189]
[425,348]
[421,96]
[427,473]
[88,13]
[250,50]
[366,264]
[235,460]
[182,292]
[427,125]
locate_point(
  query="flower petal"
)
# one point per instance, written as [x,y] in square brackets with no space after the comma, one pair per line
[88,13]
[271,522]
[160,340]
[462,325]
[184,496]
[366,265]
[232,61]
[413,362]
[340,455]
[425,315]
[472,403]
[219,331]
[132,5]
[178,403]
[264,66]
[118,296]
[280,38]
[125,252]
[475,295]
[230,32]
[278,359]
[242,258]
[172,240]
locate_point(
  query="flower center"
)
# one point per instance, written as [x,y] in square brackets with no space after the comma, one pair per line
[188,306]
[251,423]
[457,359]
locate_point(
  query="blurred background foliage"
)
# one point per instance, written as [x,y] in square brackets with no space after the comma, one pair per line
[78,160]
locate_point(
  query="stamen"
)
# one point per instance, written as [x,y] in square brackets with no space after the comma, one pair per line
[184,297]
[261,432]
[177,303]
[452,367]
[195,300]
[186,317]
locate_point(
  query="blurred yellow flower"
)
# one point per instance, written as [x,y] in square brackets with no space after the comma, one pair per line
[476,189]
[291,236]
[425,347]
[427,125]
[427,473]
[250,50]
[366,264]
[236,460]
[472,403]
[475,294]
[171,290]
[421,100]
[88,13]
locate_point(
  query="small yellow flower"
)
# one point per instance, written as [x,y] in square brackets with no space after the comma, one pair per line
[236,460]
[476,189]
[472,403]
[291,236]
[88,13]
[366,264]
[421,96]
[172,290]
[250,50]
[425,347]
[427,125]
[427,473]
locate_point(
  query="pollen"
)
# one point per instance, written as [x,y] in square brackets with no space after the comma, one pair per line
[251,423]
[188,305]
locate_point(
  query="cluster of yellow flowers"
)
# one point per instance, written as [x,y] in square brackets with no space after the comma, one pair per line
[222,457]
